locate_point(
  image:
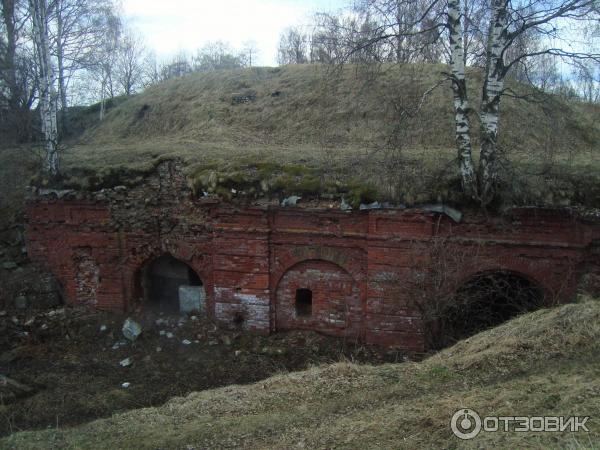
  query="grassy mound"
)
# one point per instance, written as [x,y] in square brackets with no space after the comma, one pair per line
[542,363]
[343,132]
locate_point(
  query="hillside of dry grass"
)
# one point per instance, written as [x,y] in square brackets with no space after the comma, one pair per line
[347,125]
[321,107]
[314,131]
[542,363]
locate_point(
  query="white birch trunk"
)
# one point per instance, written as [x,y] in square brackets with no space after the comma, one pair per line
[38,9]
[490,100]
[60,57]
[102,95]
[461,102]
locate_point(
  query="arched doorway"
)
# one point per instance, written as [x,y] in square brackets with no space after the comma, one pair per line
[318,295]
[171,286]
[486,300]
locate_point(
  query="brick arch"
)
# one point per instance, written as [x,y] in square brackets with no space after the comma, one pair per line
[535,275]
[337,306]
[353,261]
[482,299]
[144,256]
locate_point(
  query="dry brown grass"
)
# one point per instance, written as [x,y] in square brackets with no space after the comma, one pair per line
[343,124]
[542,363]
[348,125]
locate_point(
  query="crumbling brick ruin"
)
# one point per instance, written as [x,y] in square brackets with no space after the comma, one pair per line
[351,274]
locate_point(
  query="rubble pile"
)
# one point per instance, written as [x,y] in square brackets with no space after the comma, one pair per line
[77,364]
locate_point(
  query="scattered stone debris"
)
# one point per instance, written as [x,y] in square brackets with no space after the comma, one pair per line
[119,344]
[292,200]
[70,366]
[9,265]
[273,351]
[55,312]
[131,329]
[125,362]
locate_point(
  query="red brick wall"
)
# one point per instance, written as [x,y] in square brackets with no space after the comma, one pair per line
[364,268]
[336,299]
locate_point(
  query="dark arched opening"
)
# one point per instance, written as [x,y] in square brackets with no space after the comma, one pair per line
[171,286]
[484,301]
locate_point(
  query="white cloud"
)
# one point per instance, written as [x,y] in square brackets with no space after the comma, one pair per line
[173,26]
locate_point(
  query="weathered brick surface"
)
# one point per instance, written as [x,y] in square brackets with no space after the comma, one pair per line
[362,267]
[336,305]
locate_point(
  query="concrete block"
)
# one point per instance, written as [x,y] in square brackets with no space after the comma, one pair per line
[192,298]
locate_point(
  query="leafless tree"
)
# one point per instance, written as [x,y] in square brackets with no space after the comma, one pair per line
[77,30]
[152,69]
[105,57]
[177,66]
[588,77]
[293,47]
[18,80]
[351,38]
[217,55]
[249,53]
[499,35]
[509,22]
[130,62]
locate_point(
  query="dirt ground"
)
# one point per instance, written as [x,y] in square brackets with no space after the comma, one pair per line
[70,365]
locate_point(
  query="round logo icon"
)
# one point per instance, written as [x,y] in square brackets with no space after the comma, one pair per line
[465,424]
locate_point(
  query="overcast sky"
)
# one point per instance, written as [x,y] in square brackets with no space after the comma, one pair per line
[171,26]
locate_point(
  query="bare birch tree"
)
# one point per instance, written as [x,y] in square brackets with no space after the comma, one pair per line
[77,31]
[509,21]
[46,74]
[496,35]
